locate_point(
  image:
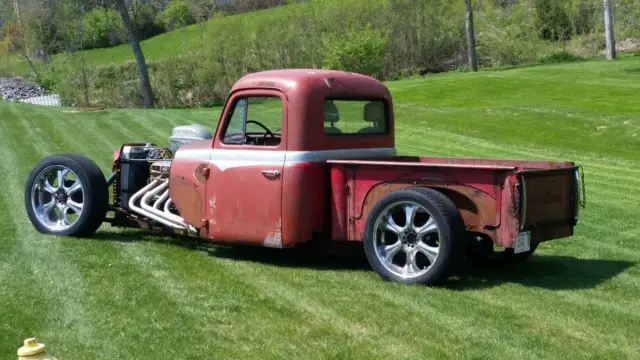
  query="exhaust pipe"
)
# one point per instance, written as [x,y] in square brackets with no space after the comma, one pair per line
[160,217]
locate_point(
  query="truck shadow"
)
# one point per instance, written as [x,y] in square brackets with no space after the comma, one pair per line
[549,272]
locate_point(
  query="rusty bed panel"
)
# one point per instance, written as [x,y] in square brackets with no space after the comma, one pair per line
[548,198]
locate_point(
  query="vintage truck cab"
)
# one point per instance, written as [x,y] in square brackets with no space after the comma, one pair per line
[301,155]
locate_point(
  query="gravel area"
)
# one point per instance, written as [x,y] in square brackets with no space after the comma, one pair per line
[19,89]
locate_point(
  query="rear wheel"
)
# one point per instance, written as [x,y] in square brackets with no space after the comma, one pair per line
[414,235]
[66,195]
[482,249]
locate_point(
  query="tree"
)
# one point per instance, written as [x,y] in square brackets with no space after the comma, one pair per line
[147,93]
[471,37]
[608,28]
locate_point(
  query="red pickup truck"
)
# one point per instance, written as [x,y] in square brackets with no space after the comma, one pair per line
[301,155]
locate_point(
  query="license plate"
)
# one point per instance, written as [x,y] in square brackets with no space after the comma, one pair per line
[522,242]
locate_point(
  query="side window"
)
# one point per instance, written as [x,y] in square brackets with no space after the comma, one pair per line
[235,129]
[255,120]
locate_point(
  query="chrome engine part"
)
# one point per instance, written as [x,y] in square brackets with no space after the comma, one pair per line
[153,202]
[159,170]
[187,133]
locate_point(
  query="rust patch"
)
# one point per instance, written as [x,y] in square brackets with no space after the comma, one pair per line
[273,240]
[187,199]
[477,209]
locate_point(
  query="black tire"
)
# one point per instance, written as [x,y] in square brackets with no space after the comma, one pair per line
[95,194]
[451,234]
[480,249]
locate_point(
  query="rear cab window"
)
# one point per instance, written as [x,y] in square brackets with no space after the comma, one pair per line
[349,117]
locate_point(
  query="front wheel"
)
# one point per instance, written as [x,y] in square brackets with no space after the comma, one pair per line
[66,195]
[414,236]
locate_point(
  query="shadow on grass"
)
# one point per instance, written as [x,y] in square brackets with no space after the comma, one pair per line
[544,271]
[633,71]
[341,256]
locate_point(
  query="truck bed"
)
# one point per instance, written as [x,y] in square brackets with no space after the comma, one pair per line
[500,198]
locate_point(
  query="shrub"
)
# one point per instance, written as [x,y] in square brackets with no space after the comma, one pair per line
[175,15]
[560,57]
[506,36]
[144,19]
[102,27]
[552,21]
[358,51]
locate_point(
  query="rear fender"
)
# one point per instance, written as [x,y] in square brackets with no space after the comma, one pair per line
[477,209]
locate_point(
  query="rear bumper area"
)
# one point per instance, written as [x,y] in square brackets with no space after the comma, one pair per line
[549,202]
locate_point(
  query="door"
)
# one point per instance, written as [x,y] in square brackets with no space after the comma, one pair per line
[244,189]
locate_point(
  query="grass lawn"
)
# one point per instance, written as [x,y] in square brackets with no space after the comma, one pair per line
[127,294]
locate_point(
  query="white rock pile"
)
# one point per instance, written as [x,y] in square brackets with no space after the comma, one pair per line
[19,89]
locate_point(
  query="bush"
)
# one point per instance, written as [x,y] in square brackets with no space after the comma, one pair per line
[552,21]
[506,36]
[175,15]
[560,57]
[102,27]
[144,19]
[358,51]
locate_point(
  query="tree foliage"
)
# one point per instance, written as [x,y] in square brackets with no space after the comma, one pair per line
[176,15]
[102,27]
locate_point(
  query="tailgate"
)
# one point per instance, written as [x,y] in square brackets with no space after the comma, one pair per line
[549,198]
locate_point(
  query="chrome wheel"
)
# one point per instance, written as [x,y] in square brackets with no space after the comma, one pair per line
[57,198]
[406,239]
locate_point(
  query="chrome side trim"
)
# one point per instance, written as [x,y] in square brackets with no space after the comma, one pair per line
[225,159]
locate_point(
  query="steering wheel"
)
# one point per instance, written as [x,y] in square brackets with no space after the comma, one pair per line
[268,132]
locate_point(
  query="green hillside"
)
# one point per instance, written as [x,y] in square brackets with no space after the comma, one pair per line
[128,294]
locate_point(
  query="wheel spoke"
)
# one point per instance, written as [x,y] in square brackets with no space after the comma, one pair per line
[46,208]
[48,188]
[429,228]
[62,173]
[391,225]
[76,207]
[74,187]
[391,250]
[429,251]
[65,217]
[411,265]
[410,214]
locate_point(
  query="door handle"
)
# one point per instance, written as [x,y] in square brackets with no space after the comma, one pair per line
[274,173]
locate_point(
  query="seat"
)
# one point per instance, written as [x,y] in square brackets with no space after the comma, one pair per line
[374,113]
[331,116]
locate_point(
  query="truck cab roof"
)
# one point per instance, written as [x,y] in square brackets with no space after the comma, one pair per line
[325,109]
[346,84]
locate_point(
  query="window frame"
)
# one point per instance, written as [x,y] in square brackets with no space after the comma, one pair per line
[384,102]
[228,112]
[229,118]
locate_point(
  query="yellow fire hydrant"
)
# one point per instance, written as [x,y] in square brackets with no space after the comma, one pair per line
[32,350]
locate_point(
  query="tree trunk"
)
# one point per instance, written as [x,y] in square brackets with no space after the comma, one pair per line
[608,27]
[471,37]
[147,94]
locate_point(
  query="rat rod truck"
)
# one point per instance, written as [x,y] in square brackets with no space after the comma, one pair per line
[302,155]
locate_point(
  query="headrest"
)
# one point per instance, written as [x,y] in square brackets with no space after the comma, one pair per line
[331,113]
[374,112]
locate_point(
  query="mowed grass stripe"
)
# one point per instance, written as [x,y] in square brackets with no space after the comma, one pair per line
[53,274]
